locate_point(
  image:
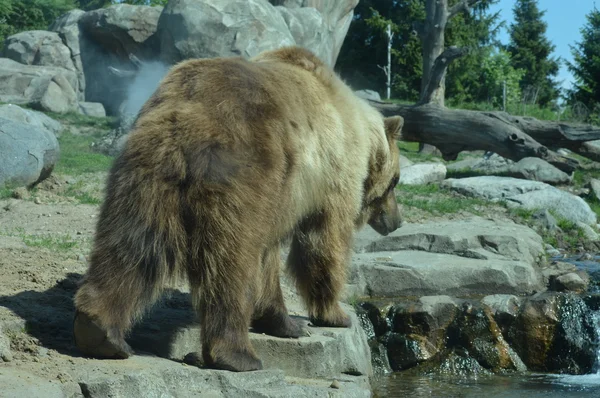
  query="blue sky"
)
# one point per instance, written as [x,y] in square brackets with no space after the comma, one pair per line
[564,19]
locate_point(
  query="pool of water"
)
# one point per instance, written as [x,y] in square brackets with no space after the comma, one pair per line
[528,386]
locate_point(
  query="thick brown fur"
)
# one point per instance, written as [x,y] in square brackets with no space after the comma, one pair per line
[227,159]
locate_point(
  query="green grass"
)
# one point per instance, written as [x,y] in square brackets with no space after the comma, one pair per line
[435,200]
[5,193]
[77,119]
[77,158]
[56,243]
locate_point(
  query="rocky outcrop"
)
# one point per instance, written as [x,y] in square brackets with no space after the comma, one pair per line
[531,195]
[27,153]
[422,173]
[46,88]
[38,47]
[475,256]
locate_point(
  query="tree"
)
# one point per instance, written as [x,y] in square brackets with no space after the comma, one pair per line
[586,66]
[530,51]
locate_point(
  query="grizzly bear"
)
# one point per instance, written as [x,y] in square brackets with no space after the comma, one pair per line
[228,159]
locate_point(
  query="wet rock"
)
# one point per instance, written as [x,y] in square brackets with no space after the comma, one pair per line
[405,352]
[377,318]
[504,308]
[422,173]
[570,282]
[555,332]
[476,330]
[453,362]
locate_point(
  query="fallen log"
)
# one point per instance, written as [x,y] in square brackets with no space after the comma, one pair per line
[454,130]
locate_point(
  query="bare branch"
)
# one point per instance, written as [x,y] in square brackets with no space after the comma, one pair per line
[438,71]
[384,69]
[463,5]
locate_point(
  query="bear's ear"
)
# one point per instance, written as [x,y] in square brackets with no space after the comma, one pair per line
[393,127]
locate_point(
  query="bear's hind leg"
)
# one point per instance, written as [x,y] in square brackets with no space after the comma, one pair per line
[222,291]
[270,313]
[317,259]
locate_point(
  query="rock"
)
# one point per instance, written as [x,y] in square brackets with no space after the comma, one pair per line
[588,231]
[327,353]
[529,195]
[123,29]
[555,332]
[503,305]
[38,47]
[67,27]
[30,117]
[146,376]
[405,352]
[368,95]
[594,186]
[21,193]
[492,187]
[473,256]
[537,169]
[454,362]
[21,383]
[94,109]
[210,28]
[475,330]
[27,154]
[404,162]
[309,30]
[545,219]
[494,165]
[422,173]
[570,282]
[45,88]
[5,353]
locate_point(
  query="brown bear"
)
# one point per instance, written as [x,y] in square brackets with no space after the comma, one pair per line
[228,159]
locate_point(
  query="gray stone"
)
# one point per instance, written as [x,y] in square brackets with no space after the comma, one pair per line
[211,28]
[494,165]
[422,173]
[146,376]
[18,383]
[588,231]
[595,188]
[38,47]
[95,109]
[30,117]
[327,352]
[526,194]
[368,95]
[570,282]
[416,273]
[545,219]
[404,162]
[308,29]
[123,29]
[27,154]
[503,305]
[5,353]
[67,26]
[45,88]
[537,169]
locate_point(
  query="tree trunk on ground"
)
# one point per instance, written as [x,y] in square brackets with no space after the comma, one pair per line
[453,131]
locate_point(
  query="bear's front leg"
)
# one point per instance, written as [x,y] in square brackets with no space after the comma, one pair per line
[318,256]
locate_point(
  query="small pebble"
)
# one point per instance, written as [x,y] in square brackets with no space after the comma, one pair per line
[37,201]
[335,384]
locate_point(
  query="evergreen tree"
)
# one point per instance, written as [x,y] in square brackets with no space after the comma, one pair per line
[530,51]
[586,65]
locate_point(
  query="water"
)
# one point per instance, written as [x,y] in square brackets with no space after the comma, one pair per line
[528,385]
[507,386]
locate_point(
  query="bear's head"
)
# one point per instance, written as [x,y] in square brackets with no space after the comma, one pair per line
[380,209]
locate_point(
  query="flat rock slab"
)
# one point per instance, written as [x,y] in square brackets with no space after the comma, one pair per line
[422,173]
[171,332]
[475,256]
[525,194]
[19,383]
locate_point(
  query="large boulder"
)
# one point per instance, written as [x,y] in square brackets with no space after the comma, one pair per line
[422,173]
[46,88]
[214,28]
[319,25]
[67,27]
[475,256]
[38,47]
[123,29]
[27,153]
[525,194]
[30,117]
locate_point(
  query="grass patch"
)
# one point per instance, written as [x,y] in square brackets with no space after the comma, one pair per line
[5,193]
[436,200]
[77,158]
[79,120]
[57,243]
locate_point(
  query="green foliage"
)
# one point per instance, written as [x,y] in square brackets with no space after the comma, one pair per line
[21,15]
[530,51]
[76,156]
[586,68]
[58,243]
[435,200]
